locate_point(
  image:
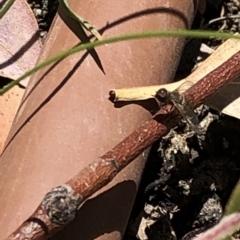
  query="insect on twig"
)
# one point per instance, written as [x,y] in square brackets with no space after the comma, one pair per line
[163,96]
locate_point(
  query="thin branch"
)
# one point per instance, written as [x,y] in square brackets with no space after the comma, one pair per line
[60,205]
[132,36]
[140,93]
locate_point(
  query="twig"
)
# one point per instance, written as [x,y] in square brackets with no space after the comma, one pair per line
[140,93]
[60,205]
[218,57]
[223,18]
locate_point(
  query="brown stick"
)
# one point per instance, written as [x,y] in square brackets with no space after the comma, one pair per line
[141,93]
[60,205]
[214,81]
[222,54]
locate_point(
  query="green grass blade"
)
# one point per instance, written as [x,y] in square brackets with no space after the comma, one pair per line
[80,20]
[151,34]
[233,204]
[5,7]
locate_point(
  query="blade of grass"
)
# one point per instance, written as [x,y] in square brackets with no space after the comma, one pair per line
[80,20]
[132,36]
[5,7]
[233,204]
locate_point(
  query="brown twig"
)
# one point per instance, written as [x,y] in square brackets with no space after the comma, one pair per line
[140,93]
[60,205]
[222,54]
[214,81]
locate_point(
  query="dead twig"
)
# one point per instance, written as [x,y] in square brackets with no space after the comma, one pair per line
[140,93]
[60,205]
[222,54]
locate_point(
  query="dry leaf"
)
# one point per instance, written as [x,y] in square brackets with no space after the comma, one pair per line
[227,100]
[19,51]
[19,41]
[9,103]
